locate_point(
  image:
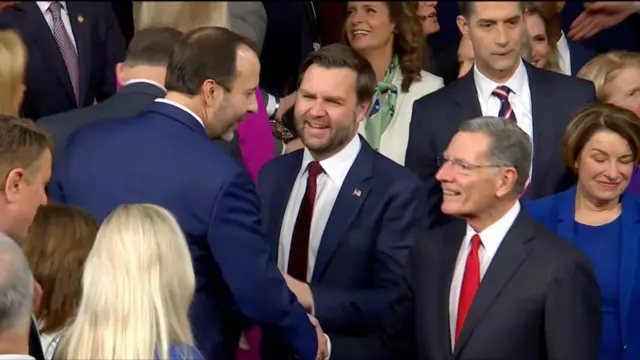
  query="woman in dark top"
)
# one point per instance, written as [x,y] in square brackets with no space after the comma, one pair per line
[598,216]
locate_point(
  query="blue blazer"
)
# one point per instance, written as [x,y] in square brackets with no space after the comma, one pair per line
[365,242]
[164,157]
[579,56]
[557,212]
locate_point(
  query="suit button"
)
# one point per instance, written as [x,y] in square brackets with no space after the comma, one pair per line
[625,347]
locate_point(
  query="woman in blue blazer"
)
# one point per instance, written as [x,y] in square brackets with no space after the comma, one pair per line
[602,144]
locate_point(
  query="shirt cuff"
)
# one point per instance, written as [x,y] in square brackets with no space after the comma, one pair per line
[272,105]
[328,347]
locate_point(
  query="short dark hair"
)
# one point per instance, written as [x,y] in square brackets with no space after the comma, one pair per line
[336,56]
[596,117]
[152,46]
[467,7]
[202,54]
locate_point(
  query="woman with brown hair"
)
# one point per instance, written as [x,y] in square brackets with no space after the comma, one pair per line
[13,57]
[544,53]
[389,35]
[57,246]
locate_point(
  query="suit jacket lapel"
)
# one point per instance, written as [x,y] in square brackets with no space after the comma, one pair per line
[543,125]
[280,197]
[352,195]
[467,98]
[81,34]
[46,44]
[510,255]
[450,249]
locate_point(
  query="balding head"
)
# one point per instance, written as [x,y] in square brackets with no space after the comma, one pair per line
[16,287]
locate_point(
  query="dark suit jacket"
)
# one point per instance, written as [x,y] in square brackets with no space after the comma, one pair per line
[35,345]
[100,47]
[538,300]
[557,212]
[130,101]
[164,157]
[365,241]
[436,117]
[579,56]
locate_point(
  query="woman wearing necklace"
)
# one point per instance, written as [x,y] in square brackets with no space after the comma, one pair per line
[389,35]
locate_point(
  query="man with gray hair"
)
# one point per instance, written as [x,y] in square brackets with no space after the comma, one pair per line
[16,301]
[534,295]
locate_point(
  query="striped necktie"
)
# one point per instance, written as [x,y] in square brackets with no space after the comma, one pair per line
[506,111]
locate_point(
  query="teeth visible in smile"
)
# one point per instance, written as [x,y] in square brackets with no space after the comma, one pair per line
[360,32]
[316,126]
[450,193]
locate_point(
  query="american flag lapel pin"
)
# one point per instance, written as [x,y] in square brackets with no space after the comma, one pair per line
[80,19]
[357,192]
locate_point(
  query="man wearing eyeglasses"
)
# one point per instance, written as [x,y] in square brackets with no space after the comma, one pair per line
[493,283]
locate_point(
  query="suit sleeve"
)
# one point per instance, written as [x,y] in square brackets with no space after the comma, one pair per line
[572,313]
[397,339]
[239,247]
[422,159]
[364,310]
[114,48]
[249,19]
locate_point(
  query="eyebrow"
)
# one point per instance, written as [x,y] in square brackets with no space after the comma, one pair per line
[328,98]
[606,153]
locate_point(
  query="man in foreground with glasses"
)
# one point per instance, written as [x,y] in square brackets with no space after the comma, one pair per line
[534,295]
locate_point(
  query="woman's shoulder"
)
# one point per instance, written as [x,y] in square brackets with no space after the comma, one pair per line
[426,84]
[186,352]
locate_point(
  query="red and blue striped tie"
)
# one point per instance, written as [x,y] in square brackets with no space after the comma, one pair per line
[506,111]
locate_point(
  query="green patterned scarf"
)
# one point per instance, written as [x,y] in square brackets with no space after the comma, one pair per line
[383,105]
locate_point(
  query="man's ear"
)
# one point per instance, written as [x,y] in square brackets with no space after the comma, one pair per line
[121,73]
[13,184]
[362,109]
[463,26]
[37,297]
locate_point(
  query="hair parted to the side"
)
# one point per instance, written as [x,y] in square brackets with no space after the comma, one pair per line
[340,56]
[138,284]
[152,46]
[602,69]
[22,144]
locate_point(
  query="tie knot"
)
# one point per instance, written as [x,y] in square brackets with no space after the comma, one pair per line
[502,92]
[475,242]
[314,169]
[55,8]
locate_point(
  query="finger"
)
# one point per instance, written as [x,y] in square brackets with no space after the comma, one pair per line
[578,24]
[579,32]
[596,5]
[590,29]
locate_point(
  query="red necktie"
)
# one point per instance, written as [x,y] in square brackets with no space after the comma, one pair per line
[506,111]
[299,251]
[470,283]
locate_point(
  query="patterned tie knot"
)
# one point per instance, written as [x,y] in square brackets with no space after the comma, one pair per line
[502,92]
[315,169]
[475,243]
[55,7]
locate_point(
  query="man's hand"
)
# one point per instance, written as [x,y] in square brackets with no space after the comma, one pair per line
[286,103]
[598,16]
[302,292]
[323,340]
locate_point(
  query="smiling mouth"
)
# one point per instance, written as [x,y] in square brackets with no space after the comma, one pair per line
[316,126]
[446,192]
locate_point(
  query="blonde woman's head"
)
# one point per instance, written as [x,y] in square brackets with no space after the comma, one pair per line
[138,284]
[181,15]
[13,57]
[616,76]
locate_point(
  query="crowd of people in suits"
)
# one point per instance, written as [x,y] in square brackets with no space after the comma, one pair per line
[162,199]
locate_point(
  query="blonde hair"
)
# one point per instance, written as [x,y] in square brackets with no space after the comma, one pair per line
[553,62]
[602,69]
[138,284]
[13,57]
[180,15]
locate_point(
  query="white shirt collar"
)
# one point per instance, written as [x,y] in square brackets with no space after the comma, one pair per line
[16,357]
[146,81]
[44,5]
[181,107]
[564,54]
[337,166]
[493,235]
[485,86]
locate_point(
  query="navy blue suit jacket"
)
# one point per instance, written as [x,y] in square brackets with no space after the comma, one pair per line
[557,212]
[437,116]
[579,56]
[100,47]
[366,239]
[164,157]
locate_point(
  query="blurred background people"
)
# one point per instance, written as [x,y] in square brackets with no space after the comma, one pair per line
[600,217]
[543,51]
[17,301]
[137,286]
[13,56]
[57,246]
[73,48]
[389,35]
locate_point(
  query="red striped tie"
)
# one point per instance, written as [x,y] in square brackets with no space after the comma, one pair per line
[506,111]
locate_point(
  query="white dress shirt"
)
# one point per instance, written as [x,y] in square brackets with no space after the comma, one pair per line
[491,238]
[64,14]
[329,183]
[16,357]
[564,55]
[181,107]
[519,98]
